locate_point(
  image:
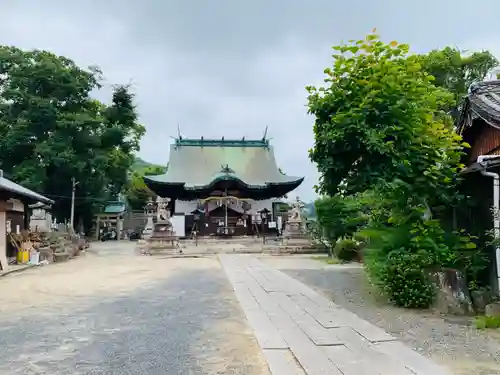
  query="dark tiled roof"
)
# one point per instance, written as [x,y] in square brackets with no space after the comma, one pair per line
[483,101]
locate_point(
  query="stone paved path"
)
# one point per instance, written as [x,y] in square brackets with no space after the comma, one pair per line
[301,332]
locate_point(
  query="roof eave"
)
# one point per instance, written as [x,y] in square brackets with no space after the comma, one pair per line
[476,103]
[19,192]
[268,191]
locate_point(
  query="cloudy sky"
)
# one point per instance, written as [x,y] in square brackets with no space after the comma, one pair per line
[229,68]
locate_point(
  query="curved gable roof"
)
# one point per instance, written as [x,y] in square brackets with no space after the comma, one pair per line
[199,164]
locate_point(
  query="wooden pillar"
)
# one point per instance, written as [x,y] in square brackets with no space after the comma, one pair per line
[4,206]
[97,226]
[27,215]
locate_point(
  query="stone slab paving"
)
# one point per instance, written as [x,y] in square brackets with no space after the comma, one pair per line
[301,332]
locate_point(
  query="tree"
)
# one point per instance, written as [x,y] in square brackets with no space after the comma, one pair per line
[382,129]
[455,70]
[121,136]
[136,191]
[51,130]
[339,217]
[380,120]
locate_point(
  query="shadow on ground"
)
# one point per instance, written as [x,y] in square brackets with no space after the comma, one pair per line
[189,324]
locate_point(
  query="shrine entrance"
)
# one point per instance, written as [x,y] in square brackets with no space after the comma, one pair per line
[228,216]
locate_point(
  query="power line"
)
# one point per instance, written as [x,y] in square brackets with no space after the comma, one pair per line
[76,198]
[6,175]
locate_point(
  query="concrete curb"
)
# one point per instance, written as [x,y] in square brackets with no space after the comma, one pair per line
[16,270]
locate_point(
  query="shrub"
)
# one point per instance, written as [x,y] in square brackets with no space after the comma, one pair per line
[485,322]
[397,259]
[405,282]
[338,217]
[346,250]
[315,232]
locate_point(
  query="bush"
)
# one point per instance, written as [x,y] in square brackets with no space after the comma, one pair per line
[346,250]
[397,259]
[338,217]
[405,282]
[485,322]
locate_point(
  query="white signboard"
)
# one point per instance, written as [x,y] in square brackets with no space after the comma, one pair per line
[179,225]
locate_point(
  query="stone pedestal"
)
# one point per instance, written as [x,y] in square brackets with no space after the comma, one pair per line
[295,234]
[163,229]
[163,237]
[149,228]
[294,229]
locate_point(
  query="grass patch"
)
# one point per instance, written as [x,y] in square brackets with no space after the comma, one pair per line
[487,322]
[328,260]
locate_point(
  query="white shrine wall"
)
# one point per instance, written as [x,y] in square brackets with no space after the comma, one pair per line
[187,207]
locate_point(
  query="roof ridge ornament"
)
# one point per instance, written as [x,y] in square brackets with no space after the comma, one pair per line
[226,169]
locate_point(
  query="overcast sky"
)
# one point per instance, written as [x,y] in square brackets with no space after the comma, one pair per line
[229,68]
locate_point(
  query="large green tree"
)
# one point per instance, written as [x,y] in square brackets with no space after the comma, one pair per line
[52,130]
[456,70]
[380,119]
[382,128]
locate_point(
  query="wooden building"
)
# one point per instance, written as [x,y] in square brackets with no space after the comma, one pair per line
[223,186]
[14,201]
[479,126]
[479,122]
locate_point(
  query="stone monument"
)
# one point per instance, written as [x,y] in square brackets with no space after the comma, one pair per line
[163,236]
[295,226]
[40,219]
[163,226]
[150,212]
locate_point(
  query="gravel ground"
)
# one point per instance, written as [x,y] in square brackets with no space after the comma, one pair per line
[448,340]
[119,313]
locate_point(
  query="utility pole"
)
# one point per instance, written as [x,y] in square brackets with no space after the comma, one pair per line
[73,189]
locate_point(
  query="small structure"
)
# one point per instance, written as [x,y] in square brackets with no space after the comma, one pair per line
[111,218]
[163,236]
[295,225]
[163,229]
[150,211]
[10,190]
[222,185]
[41,218]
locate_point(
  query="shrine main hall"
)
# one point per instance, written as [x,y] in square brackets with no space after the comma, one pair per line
[224,186]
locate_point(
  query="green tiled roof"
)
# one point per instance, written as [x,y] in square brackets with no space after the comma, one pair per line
[202,142]
[197,164]
[114,208]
